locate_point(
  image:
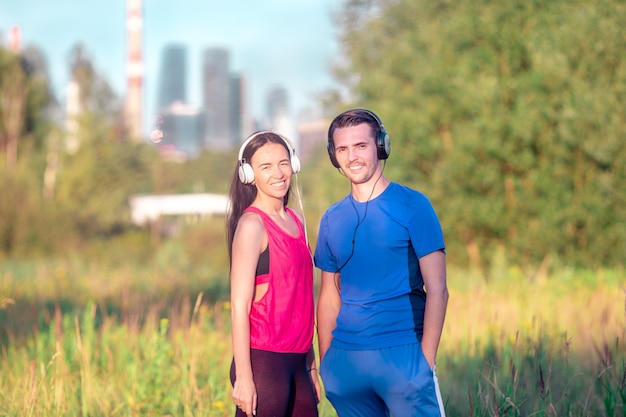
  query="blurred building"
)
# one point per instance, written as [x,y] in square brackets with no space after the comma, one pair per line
[179,123]
[173,76]
[313,138]
[278,115]
[238,108]
[223,101]
[146,209]
[181,127]
[277,102]
[216,98]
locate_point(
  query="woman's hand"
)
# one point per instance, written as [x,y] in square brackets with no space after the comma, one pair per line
[244,396]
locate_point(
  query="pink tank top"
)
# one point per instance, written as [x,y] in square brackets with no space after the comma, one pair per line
[283,320]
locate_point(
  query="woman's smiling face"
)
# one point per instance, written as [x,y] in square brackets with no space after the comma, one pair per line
[272,169]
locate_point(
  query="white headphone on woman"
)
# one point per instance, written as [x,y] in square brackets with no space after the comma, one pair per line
[246,174]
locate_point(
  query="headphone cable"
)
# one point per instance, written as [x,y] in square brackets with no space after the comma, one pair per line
[358,224]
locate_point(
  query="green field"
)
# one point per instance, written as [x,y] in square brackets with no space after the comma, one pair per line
[80,340]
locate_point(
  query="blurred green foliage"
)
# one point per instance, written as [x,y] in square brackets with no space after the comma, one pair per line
[509,115]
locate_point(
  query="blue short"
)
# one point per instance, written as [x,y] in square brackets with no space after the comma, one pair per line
[375,383]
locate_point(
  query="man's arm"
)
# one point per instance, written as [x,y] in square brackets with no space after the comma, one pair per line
[328,305]
[433,267]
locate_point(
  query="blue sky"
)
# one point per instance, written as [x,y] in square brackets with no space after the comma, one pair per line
[292,43]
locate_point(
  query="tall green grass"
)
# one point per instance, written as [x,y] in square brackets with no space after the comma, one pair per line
[167,361]
[542,346]
[81,340]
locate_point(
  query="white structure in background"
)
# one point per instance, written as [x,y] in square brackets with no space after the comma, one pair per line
[149,208]
[72,113]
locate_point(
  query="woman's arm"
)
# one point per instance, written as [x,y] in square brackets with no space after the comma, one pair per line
[248,241]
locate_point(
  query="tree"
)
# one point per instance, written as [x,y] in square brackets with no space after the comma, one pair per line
[24,100]
[507,114]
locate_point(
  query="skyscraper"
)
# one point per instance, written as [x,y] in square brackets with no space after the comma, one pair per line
[237,107]
[180,124]
[173,76]
[217,99]
[182,129]
[277,101]
[278,117]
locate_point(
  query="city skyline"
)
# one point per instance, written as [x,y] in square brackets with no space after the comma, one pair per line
[290,44]
[218,123]
[223,118]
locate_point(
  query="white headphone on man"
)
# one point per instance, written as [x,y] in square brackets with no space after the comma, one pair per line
[246,174]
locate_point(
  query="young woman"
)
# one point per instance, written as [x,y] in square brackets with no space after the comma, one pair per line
[272,309]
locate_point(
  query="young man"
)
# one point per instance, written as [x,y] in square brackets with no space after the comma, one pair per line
[383,295]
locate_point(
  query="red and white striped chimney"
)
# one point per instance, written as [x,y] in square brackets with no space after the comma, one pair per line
[134,68]
[15,38]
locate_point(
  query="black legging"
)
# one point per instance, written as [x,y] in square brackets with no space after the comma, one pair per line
[283,385]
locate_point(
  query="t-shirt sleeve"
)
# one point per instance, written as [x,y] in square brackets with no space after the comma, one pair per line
[425,229]
[323,257]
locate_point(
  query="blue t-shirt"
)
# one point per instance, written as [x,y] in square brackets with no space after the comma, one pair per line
[376,246]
